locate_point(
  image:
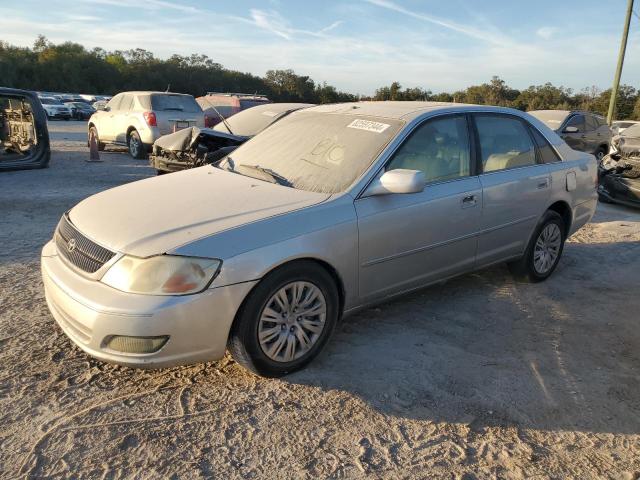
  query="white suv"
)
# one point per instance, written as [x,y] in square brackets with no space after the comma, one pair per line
[137,119]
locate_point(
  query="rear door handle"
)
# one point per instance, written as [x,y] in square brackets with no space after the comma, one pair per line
[543,184]
[469,201]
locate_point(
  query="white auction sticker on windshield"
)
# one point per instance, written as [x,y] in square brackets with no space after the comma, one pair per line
[369,126]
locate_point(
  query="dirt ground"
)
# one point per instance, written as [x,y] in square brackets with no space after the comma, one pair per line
[478,378]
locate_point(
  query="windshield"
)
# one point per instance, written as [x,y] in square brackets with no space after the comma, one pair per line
[182,103]
[551,118]
[633,131]
[318,152]
[249,122]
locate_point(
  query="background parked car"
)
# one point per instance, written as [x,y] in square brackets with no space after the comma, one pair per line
[582,131]
[195,147]
[24,137]
[620,126]
[54,108]
[227,104]
[137,119]
[80,110]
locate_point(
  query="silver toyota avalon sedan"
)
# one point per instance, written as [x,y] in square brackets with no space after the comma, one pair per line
[330,210]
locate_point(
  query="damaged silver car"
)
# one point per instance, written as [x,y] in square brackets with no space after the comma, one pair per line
[24,138]
[619,171]
[194,147]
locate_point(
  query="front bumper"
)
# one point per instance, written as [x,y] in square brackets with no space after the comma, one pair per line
[165,164]
[89,312]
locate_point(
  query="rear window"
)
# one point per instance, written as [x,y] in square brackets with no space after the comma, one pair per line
[244,104]
[180,103]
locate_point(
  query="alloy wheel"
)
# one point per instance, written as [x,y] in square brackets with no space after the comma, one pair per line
[547,248]
[292,321]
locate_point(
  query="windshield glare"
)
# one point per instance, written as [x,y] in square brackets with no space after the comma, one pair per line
[318,152]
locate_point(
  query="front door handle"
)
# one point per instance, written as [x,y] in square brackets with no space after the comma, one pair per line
[469,201]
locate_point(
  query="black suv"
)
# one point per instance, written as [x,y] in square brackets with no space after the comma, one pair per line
[583,131]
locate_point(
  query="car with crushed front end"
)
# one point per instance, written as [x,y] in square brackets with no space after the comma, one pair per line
[619,171]
[195,147]
[330,210]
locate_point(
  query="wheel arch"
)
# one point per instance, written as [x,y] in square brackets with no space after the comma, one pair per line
[330,269]
[563,209]
[130,129]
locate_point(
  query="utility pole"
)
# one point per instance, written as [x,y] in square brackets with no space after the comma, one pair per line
[623,48]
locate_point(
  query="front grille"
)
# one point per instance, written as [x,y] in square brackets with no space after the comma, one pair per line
[78,249]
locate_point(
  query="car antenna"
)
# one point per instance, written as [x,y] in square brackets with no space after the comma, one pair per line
[223,119]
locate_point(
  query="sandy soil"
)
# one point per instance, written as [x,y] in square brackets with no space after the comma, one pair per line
[478,378]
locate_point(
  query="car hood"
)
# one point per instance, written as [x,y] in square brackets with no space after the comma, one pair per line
[156,215]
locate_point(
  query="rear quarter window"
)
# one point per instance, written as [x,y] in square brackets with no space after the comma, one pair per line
[181,103]
[545,150]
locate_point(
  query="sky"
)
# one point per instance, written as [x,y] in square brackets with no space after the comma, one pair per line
[356,45]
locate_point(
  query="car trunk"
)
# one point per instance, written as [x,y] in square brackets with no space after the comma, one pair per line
[175,112]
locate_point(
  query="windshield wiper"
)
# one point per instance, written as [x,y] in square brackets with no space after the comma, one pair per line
[277,178]
[230,166]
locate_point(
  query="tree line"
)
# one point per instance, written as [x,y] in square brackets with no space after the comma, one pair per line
[70,67]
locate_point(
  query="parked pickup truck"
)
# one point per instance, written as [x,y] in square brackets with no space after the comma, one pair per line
[327,211]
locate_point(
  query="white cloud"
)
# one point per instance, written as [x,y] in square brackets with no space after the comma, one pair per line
[468,30]
[546,32]
[146,4]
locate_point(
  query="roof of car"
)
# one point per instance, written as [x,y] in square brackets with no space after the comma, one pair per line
[398,110]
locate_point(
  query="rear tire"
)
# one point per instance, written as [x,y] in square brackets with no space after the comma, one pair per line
[136,147]
[543,251]
[265,328]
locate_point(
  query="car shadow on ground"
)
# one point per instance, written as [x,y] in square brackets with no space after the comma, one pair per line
[484,350]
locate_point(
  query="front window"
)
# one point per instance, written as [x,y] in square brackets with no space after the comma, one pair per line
[313,151]
[578,122]
[439,148]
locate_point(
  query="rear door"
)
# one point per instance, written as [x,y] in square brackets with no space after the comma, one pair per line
[407,240]
[516,186]
[592,133]
[577,140]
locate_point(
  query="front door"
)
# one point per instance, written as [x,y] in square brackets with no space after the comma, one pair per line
[408,240]
[576,140]
[515,186]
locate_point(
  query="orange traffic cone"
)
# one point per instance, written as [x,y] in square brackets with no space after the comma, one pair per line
[94,155]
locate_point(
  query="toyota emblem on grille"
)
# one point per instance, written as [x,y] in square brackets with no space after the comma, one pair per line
[71,246]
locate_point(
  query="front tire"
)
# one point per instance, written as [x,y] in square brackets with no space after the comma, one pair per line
[543,251]
[286,320]
[136,147]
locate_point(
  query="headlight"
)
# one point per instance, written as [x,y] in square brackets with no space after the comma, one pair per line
[162,275]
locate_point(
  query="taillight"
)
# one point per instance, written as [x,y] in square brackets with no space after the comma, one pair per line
[150,118]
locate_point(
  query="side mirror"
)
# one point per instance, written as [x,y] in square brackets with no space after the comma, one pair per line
[397,181]
[570,130]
